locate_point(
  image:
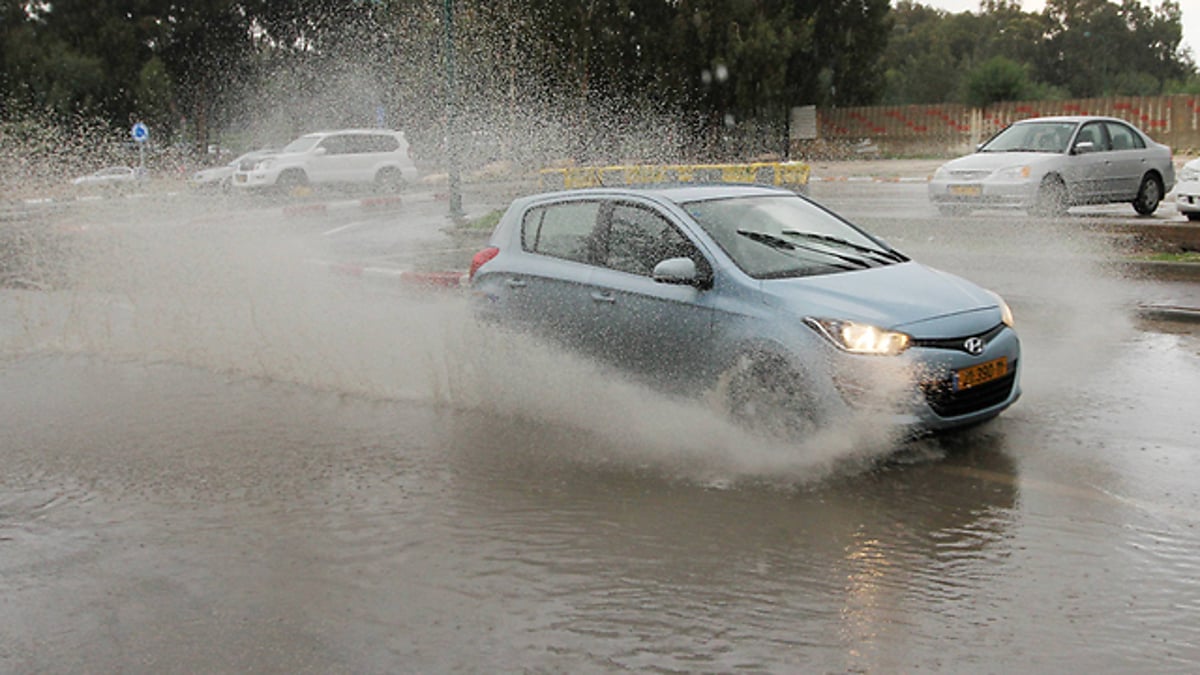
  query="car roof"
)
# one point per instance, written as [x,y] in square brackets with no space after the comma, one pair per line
[1074,119]
[332,132]
[677,193]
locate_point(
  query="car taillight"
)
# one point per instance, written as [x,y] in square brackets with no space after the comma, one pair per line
[481,259]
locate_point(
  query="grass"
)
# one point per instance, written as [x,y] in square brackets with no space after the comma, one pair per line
[487,221]
[1184,257]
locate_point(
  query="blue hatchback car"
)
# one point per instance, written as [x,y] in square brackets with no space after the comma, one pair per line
[787,313]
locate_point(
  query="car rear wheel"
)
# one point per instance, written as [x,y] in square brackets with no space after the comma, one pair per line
[1193,216]
[1051,197]
[766,396]
[1149,195]
[389,179]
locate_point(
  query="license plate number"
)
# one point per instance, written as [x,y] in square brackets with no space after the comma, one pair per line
[966,190]
[965,378]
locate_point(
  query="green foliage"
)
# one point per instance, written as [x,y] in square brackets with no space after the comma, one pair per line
[686,76]
[997,79]
[1073,48]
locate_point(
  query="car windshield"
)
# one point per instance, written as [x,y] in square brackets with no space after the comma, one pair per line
[1032,137]
[301,144]
[775,236]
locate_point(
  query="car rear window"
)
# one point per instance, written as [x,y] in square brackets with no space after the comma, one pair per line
[561,230]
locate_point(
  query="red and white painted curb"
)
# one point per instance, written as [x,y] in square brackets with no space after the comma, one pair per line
[380,203]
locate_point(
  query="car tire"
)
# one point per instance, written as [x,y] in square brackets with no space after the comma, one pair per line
[766,396]
[1149,195]
[1193,216]
[389,179]
[1052,198]
[291,179]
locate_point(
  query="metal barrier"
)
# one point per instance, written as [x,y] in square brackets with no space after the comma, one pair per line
[791,175]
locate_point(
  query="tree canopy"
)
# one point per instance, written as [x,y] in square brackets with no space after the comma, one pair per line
[579,70]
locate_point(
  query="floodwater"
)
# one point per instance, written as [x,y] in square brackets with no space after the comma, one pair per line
[219,457]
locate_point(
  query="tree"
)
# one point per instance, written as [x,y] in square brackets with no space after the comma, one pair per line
[997,79]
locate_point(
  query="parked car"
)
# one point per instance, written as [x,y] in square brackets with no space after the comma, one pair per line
[1048,164]
[1187,190]
[791,315]
[110,177]
[349,156]
[221,177]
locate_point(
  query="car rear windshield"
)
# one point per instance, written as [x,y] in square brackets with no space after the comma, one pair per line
[777,236]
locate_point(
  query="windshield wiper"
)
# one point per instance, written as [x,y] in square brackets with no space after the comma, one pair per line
[783,244]
[888,255]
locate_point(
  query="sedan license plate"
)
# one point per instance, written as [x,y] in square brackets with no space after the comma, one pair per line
[966,190]
[983,373]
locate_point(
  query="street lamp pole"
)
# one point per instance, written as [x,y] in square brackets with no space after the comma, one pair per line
[453,178]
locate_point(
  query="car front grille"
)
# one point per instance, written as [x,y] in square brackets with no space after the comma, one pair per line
[974,174]
[947,402]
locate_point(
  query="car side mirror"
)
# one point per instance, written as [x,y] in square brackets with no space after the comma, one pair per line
[320,152]
[1084,147]
[681,271]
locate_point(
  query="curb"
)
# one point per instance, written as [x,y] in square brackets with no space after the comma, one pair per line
[1170,313]
[429,280]
[384,203]
[868,179]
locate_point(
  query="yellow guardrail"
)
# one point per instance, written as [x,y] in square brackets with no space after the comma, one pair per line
[793,175]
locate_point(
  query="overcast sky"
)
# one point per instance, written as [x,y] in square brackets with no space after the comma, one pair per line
[1190,12]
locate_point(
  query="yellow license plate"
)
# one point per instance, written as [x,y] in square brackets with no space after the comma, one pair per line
[966,190]
[983,373]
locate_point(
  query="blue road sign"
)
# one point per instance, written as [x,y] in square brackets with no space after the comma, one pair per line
[139,132]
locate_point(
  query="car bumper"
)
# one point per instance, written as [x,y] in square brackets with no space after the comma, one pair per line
[986,193]
[253,179]
[923,393]
[1187,197]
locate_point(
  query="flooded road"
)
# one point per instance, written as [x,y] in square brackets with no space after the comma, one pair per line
[219,457]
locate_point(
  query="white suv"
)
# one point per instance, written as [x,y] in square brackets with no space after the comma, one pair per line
[345,156]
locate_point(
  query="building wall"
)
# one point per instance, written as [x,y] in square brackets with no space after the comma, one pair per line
[948,129]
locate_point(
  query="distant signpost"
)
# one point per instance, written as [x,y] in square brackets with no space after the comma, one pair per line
[140,134]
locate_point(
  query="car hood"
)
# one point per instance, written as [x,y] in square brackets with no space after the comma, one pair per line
[908,296]
[992,161]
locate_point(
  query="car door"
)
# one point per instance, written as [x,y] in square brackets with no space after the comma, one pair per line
[547,291]
[330,159]
[659,330]
[1129,158]
[1089,166]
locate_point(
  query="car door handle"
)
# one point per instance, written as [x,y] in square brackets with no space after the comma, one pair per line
[515,283]
[603,297]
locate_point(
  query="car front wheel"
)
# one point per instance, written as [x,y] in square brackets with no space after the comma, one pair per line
[1149,195]
[766,396]
[1051,198]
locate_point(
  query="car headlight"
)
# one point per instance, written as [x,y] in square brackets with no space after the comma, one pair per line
[860,338]
[1189,173]
[1006,314]
[1014,172]
[265,164]
[942,173]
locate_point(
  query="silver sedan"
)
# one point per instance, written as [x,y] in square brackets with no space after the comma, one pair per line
[1048,164]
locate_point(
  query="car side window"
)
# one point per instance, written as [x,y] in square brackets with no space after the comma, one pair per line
[1093,132]
[1123,138]
[335,145]
[639,239]
[562,230]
